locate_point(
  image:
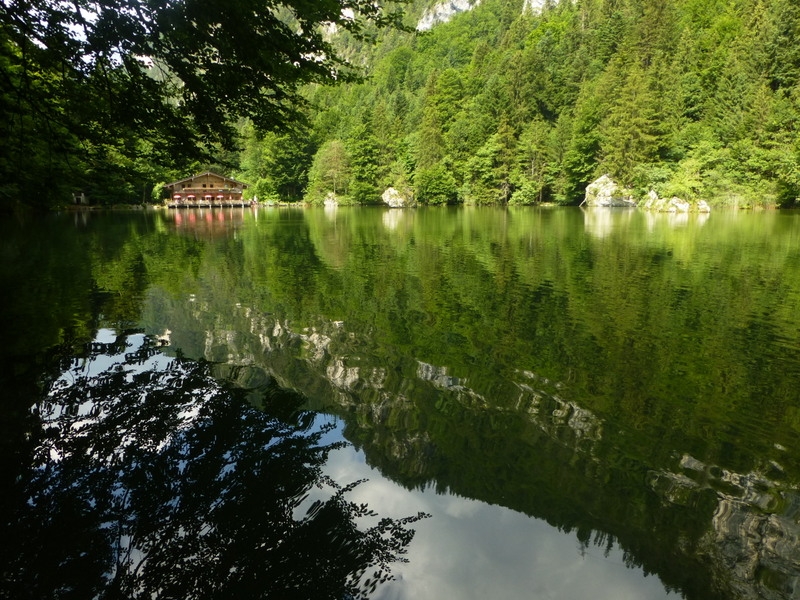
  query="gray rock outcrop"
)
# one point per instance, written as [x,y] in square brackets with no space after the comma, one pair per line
[604,191]
[674,204]
[443,12]
[395,198]
[535,7]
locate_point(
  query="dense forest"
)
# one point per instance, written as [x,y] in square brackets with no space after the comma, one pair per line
[505,103]
[109,96]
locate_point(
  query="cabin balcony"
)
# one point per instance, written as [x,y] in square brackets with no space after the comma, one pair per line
[193,198]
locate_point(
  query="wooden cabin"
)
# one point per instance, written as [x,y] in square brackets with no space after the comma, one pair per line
[206,189]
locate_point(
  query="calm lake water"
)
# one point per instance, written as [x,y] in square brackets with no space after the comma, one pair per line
[558,403]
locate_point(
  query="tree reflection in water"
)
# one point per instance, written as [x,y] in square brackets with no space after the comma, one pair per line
[153,479]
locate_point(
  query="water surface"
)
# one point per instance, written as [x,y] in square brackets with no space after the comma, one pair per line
[597,403]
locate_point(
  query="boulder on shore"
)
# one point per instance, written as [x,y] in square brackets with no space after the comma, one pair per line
[674,204]
[604,191]
[395,198]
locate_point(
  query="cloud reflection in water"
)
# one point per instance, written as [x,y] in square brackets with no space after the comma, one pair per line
[471,549]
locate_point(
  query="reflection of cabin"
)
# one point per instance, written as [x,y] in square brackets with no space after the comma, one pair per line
[206,189]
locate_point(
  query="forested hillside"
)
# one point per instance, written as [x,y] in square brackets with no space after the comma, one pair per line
[512,101]
[690,98]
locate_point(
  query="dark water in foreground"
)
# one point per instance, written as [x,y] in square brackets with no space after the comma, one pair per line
[547,403]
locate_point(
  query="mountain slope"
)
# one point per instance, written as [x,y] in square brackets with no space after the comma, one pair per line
[524,102]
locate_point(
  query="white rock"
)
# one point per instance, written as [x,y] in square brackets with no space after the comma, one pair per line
[652,200]
[678,205]
[534,6]
[395,198]
[604,191]
[444,11]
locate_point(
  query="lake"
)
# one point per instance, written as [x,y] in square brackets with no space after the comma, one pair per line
[393,403]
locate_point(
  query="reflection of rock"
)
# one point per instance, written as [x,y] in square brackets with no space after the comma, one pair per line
[341,376]
[363,388]
[742,526]
[317,343]
[392,218]
[754,535]
[600,223]
[439,377]
[675,488]
[415,449]
[562,420]
[674,220]
[351,378]
[604,191]
[539,379]
[583,422]
[678,219]
[758,550]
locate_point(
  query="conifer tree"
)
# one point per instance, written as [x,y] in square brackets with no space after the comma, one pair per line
[630,130]
[430,144]
[363,152]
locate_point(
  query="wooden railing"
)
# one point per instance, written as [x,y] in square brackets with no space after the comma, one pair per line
[201,201]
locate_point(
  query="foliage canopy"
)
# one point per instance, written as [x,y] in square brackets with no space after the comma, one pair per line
[696,98]
[89,87]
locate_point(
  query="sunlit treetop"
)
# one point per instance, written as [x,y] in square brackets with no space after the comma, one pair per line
[185,65]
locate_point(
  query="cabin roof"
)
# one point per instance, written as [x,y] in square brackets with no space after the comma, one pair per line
[193,177]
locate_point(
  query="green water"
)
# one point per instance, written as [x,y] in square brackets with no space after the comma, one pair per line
[621,385]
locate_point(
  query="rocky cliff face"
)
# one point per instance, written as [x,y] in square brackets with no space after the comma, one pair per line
[444,11]
[534,6]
